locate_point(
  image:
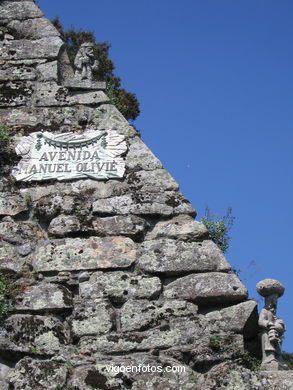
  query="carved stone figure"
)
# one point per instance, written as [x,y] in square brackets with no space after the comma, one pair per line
[272,327]
[85,62]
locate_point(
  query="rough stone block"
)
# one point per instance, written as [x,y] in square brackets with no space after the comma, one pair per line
[241,318]
[209,288]
[99,190]
[90,98]
[50,94]
[38,374]
[63,225]
[10,260]
[48,207]
[33,334]
[173,257]
[120,286]
[48,71]
[99,377]
[84,84]
[119,225]
[44,297]
[168,203]
[19,233]
[144,203]
[84,254]
[17,72]
[180,331]
[142,314]
[32,29]
[92,317]
[12,204]
[120,205]
[181,227]
[140,157]
[229,375]
[25,49]
[19,10]
[15,93]
[152,181]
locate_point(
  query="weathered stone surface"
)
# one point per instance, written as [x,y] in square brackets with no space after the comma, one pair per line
[142,314]
[92,317]
[91,98]
[32,29]
[10,259]
[210,288]
[230,376]
[19,10]
[119,225]
[152,181]
[51,94]
[48,71]
[32,374]
[11,204]
[241,318]
[6,368]
[63,225]
[15,93]
[33,334]
[173,257]
[26,49]
[48,207]
[116,205]
[78,254]
[17,72]
[177,334]
[181,227]
[75,84]
[161,374]
[44,297]
[19,233]
[140,157]
[120,286]
[142,203]
[166,204]
[98,190]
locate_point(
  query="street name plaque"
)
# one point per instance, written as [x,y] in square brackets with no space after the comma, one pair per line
[94,154]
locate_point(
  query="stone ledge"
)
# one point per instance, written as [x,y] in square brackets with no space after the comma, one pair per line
[86,85]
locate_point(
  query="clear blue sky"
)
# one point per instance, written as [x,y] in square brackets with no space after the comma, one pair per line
[214,79]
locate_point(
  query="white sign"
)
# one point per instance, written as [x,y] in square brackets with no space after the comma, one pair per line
[94,154]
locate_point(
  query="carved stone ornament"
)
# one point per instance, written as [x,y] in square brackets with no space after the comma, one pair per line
[85,62]
[93,154]
[272,328]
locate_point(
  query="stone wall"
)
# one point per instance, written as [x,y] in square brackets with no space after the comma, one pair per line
[105,273]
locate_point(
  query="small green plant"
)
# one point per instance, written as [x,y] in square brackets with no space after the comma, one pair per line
[5,135]
[28,199]
[220,343]
[5,287]
[219,227]
[35,275]
[225,343]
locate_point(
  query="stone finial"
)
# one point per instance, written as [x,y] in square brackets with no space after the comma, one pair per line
[85,62]
[269,287]
[272,328]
